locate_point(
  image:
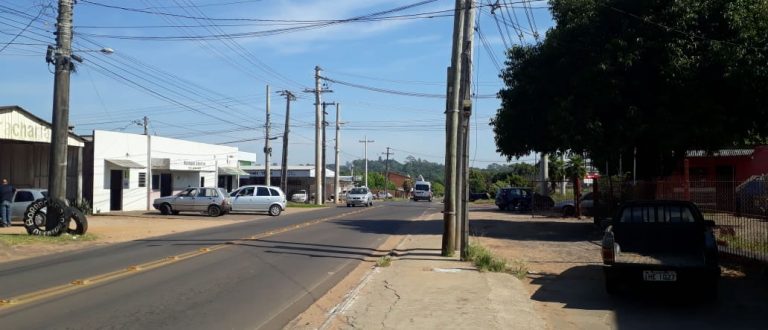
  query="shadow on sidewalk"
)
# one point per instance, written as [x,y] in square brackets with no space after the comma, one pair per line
[741,304]
[394,227]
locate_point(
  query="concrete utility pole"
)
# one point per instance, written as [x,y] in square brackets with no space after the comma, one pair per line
[365,141]
[336,187]
[148,180]
[544,170]
[325,125]
[466,105]
[267,148]
[451,129]
[61,57]
[319,184]
[284,167]
[386,175]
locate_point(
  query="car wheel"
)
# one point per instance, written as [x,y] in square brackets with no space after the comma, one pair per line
[348,205]
[568,211]
[501,207]
[275,210]
[165,209]
[214,211]
[175,212]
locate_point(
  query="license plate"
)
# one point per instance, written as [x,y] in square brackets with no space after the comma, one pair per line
[659,276]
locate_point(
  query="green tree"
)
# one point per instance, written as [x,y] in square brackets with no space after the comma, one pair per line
[438,189]
[478,181]
[656,77]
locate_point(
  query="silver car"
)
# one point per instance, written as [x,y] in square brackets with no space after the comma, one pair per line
[212,201]
[21,200]
[359,196]
[258,199]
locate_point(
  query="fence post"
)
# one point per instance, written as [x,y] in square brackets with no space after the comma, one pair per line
[686,181]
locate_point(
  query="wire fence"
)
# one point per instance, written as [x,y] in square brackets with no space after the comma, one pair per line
[740,209]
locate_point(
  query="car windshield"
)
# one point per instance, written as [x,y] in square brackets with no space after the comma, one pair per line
[422,187]
[358,191]
[657,214]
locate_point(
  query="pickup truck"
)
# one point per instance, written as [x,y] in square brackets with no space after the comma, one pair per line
[661,243]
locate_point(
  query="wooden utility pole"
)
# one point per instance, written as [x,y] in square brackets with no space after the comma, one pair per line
[61,57]
[466,105]
[284,166]
[451,128]
[386,175]
[267,148]
[336,190]
[148,179]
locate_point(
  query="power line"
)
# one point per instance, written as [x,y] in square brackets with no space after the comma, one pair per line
[390,91]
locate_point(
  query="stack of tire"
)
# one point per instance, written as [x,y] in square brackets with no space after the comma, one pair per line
[36,215]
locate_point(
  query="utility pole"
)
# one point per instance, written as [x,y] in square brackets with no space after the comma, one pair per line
[386,175]
[544,170]
[318,135]
[325,125]
[284,167]
[267,148]
[466,105]
[62,59]
[451,129]
[365,141]
[336,187]
[148,180]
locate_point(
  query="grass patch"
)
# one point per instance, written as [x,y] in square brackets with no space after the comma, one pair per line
[739,243]
[518,269]
[484,260]
[384,261]
[303,205]
[24,239]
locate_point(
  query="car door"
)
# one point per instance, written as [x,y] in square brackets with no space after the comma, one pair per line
[275,197]
[205,197]
[243,199]
[185,201]
[262,199]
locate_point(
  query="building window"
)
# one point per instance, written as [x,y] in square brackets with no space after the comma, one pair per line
[155,181]
[202,181]
[142,179]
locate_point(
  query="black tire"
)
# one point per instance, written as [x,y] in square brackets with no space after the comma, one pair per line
[76,216]
[275,210]
[349,205]
[175,212]
[568,211]
[165,209]
[214,211]
[35,217]
[502,207]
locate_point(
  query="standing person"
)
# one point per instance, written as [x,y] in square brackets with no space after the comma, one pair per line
[6,195]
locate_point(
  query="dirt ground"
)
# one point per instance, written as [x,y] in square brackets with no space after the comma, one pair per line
[122,227]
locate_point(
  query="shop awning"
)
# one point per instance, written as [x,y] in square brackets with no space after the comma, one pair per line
[124,163]
[231,171]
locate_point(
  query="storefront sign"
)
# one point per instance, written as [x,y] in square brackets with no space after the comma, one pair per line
[21,128]
[191,165]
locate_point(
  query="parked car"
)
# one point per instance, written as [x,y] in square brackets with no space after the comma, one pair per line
[212,201]
[522,199]
[751,197]
[568,209]
[299,196]
[383,195]
[21,200]
[359,196]
[661,243]
[258,199]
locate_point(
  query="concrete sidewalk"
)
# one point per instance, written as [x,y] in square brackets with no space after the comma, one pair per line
[423,290]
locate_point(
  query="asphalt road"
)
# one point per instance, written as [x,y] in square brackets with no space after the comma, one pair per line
[238,284]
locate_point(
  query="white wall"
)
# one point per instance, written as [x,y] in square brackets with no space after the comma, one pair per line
[116,145]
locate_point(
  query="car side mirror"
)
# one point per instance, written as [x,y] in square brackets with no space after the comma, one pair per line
[710,223]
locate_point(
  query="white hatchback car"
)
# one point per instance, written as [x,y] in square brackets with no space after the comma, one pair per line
[258,199]
[359,196]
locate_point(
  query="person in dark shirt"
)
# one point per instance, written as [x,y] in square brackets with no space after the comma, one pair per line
[6,195]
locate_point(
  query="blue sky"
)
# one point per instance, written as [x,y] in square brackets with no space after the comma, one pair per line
[212,89]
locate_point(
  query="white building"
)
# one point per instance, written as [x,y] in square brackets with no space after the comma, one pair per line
[119,169]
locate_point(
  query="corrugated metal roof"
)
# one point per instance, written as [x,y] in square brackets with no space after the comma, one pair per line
[720,153]
[124,163]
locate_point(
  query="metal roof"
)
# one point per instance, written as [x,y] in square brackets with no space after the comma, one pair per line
[231,171]
[124,163]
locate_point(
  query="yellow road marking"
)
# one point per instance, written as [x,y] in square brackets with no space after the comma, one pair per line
[136,269]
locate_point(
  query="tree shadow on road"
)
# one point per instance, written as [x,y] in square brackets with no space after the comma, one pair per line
[534,230]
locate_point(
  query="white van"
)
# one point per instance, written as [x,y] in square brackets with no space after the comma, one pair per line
[422,190]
